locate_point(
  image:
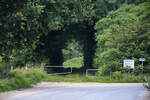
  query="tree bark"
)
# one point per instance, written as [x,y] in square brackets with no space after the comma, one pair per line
[7,67]
[7,62]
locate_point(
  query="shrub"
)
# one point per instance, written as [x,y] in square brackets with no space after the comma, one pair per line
[116,75]
[104,70]
[146,69]
[21,57]
[138,70]
[125,69]
[20,78]
[132,78]
[108,61]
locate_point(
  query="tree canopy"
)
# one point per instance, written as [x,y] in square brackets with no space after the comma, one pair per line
[123,34]
[44,26]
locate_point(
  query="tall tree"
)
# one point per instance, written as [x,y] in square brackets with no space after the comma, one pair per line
[125,30]
[18,28]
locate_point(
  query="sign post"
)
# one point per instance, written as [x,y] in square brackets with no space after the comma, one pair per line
[142,60]
[128,63]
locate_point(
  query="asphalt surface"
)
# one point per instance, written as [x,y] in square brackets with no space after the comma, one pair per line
[82,91]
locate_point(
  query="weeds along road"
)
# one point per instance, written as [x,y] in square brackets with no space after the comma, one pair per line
[79,91]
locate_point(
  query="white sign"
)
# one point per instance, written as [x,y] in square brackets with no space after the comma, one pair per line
[141,59]
[128,63]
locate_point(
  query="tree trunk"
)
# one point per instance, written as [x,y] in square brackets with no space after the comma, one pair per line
[7,67]
[7,62]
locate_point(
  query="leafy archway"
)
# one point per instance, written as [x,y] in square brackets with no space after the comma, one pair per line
[53,43]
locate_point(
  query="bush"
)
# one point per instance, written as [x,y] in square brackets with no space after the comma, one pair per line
[116,75]
[104,70]
[147,69]
[125,69]
[108,61]
[132,78]
[20,78]
[138,70]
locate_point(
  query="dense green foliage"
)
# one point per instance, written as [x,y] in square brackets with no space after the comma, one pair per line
[123,34]
[73,49]
[73,54]
[33,31]
[20,78]
[18,27]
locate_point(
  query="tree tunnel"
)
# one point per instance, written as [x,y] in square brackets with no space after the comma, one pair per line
[53,43]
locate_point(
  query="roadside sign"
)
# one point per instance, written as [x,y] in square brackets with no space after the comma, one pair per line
[128,63]
[141,59]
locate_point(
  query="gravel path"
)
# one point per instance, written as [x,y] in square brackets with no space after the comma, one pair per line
[80,91]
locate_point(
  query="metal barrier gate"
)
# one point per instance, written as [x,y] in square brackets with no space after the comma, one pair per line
[87,71]
[58,67]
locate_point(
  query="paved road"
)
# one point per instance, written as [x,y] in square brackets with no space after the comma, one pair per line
[83,91]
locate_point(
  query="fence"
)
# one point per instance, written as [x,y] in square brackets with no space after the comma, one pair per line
[87,71]
[61,73]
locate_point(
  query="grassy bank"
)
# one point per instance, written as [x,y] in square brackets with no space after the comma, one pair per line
[20,78]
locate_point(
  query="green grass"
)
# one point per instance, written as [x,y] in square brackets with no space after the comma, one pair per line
[74,62]
[64,78]
[20,78]
[107,79]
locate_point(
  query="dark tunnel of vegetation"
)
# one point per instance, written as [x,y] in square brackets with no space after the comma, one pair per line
[55,41]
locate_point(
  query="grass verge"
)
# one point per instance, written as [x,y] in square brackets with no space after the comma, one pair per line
[20,78]
[107,79]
